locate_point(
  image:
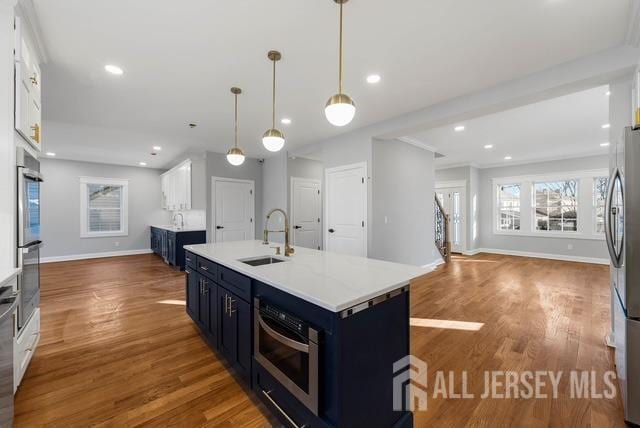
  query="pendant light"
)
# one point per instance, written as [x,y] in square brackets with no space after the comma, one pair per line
[273,139]
[340,109]
[235,155]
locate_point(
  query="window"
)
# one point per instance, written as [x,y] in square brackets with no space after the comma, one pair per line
[103,207]
[556,206]
[600,185]
[509,207]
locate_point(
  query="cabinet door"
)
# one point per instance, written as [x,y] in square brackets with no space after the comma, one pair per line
[212,298]
[241,312]
[171,248]
[193,294]
[23,89]
[226,326]
[203,303]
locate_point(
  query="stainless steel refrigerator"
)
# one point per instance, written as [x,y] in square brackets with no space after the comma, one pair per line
[622,230]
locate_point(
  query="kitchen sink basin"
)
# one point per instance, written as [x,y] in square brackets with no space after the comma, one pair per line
[267,260]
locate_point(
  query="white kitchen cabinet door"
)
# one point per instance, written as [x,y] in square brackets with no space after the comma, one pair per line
[28,121]
[176,187]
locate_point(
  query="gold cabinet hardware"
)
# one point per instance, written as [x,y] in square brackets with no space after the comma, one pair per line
[34,79]
[36,133]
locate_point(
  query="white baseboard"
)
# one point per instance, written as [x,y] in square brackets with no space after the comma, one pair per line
[472,252]
[433,265]
[562,257]
[93,255]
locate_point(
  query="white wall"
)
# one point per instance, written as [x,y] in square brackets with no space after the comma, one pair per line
[275,192]
[403,191]
[7,148]
[60,204]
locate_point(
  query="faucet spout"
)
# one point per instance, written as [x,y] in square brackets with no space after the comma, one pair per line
[288,249]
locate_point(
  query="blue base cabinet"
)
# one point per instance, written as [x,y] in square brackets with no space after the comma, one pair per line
[356,351]
[170,245]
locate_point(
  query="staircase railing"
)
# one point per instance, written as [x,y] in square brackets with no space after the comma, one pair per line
[441,226]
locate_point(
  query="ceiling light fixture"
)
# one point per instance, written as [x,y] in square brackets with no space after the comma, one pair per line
[157,148]
[606,126]
[605,144]
[373,79]
[235,155]
[142,163]
[114,69]
[51,154]
[273,139]
[340,109]
[488,146]
[286,121]
[508,158]
[459,128]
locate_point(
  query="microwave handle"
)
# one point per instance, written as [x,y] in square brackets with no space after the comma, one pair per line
[298,346]
[608,224]
[34,175]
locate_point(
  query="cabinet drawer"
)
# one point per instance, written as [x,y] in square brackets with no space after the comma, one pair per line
[235,282]
[208,268]
[190,260]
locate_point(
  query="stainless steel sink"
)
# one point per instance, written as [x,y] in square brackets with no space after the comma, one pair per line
[267,260]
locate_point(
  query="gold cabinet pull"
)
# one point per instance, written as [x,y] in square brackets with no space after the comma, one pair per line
[34,79]
[36,133]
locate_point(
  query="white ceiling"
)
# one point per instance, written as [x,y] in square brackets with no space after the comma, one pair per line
[181,57]
[563,127]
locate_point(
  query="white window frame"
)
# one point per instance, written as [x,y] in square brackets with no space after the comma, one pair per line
[586,207]
[497,207]
[594,206]
[534,226]
[84,208]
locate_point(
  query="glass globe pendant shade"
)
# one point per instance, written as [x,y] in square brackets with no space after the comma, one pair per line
[235,156]
[340,110]
[273,140]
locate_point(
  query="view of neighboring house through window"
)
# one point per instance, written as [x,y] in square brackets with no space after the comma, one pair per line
[600,185]
[509,207]
[103,207]
[556,206]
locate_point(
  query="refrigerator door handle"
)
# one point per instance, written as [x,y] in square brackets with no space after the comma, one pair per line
[608,226]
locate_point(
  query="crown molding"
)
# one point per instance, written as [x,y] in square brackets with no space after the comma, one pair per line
[417,143]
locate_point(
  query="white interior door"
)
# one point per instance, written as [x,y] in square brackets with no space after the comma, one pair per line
[452,200]
[306,212]
[346,210]
[233,208]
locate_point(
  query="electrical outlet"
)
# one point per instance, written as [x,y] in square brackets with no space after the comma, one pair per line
[570,246]
[117,243]
[386,220]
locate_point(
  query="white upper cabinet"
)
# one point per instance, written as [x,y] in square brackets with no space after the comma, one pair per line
[28,117]
[176,187]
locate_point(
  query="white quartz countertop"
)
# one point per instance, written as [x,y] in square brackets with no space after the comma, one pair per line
[172,228]
[7,275]
[330,280]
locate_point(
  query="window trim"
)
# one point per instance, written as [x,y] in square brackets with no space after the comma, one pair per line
[534,228]
[585,231]
[594,209]
[497,206]
[84,209]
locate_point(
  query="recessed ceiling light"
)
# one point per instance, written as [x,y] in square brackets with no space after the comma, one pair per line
[459,128]
[373,78]
[508,158]
[604,144]
[142,163]
[157,148]
[488,146]
[606,126]
[114,69]
[50,154]
[286,121]
[607,93]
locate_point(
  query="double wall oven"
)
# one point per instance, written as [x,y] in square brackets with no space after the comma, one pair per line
[29,242]
[287,348]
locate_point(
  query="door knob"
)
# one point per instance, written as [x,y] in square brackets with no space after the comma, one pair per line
[297,227]
[331,230]
[219,227]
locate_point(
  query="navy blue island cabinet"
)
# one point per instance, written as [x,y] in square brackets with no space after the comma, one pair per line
[169,244]
[310,366]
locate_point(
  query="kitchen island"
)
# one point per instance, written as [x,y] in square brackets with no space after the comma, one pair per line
[314,335]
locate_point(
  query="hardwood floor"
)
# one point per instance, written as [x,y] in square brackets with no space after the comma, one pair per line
[117,348]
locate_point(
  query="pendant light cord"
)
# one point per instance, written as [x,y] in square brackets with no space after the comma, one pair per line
[340,61]
[273,113]
[236,120]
